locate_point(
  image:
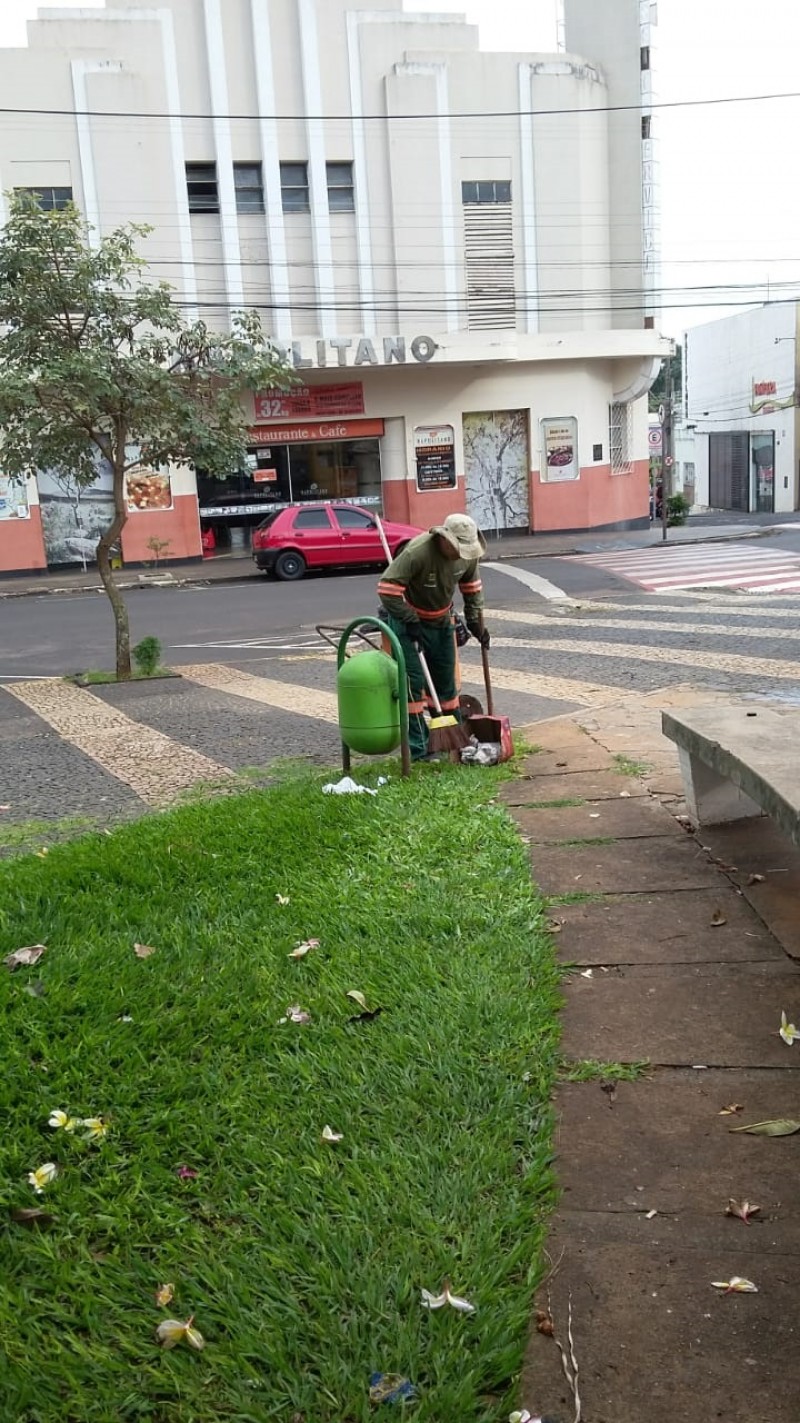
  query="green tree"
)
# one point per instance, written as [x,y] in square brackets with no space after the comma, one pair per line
[97,364]
[658,390]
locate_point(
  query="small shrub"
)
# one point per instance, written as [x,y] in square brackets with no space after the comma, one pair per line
[147,656]
[678,507]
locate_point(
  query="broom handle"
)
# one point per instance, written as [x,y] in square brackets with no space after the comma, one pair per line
[381,530]
[429,680]
[487,679]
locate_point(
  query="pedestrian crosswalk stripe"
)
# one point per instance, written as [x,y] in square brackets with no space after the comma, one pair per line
[732,663]
[154,766]
[705,566]
[286,696]
[648,627]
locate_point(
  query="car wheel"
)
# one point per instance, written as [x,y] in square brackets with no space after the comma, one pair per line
[289,566]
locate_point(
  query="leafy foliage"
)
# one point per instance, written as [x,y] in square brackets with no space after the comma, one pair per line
[99,367]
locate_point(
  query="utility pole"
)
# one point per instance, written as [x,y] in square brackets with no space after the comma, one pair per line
[667,448]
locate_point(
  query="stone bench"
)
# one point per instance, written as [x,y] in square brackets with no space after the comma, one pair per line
[739,760]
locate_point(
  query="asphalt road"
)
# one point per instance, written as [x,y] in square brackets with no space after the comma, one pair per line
[50,634]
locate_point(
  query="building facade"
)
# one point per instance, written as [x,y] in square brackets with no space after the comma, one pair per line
[456,250]
[740,434]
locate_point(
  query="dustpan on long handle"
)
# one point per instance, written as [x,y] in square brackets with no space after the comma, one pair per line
[490,727]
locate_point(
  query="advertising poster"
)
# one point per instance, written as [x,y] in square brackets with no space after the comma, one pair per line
[311,401]
[74,517]
[13,498]
[560,442]
[435,450]
[147,490]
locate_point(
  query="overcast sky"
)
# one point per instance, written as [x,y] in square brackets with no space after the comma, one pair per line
[730,197]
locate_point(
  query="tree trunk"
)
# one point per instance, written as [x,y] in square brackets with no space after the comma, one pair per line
[108,540]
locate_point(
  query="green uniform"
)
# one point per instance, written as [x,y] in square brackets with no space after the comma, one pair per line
[418,587]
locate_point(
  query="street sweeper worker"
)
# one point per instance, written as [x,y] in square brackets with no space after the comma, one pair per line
[417,592]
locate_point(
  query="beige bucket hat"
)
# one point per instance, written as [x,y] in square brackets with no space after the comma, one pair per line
[463,533]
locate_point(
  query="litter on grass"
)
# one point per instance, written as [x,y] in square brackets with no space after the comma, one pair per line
[25,957]
[347,786]
[391,1388]
[431,1301]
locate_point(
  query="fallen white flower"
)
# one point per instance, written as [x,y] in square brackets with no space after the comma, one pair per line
[328,1134]
[431,1301]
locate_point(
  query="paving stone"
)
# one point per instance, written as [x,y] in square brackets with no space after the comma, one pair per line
[656,1344]
[627,866]
[620,819]
[723,1015]
[757,847]
[590,757]
[572,785]
[559,734]
[660,1144]
[663,928]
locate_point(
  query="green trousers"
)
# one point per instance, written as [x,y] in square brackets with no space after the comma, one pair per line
[439,649]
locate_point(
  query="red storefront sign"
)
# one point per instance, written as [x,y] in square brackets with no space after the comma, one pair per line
[310,401]
[312,434]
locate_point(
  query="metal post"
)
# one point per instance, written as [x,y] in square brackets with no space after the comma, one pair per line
[667,457]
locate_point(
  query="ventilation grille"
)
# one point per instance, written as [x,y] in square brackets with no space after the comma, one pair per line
[489,253]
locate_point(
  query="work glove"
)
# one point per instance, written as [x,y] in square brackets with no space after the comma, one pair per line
[414,631]
[481,634]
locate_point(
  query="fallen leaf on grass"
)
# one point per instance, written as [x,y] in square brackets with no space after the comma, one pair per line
[304,948]
[172,1331]
[788,1031]
[62,1121]
[328,1134]
[741,1209]
[42,1176]
[357,997]
[165,1294]
[143,951]
[431,1301]
[25,958]
[295,1014]
[282,898]
[781,1126]
[731,1110]
[186,1173]
[735,1286]
[32,1217]
[718,919]
[756,879]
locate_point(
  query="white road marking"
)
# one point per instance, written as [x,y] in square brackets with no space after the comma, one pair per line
[638,652]
[287,696]
[542,586]
[702,566]
[671,625]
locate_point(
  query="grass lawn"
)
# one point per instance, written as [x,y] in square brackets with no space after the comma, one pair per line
[302,1261]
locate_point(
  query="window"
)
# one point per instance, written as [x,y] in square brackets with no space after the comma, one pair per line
[645,56]
[354,519]
[249,186]
[341,193]
[201,186]
[621,438]
[647,126]
[486,192]
[294,187]
[49,199]
[312,519]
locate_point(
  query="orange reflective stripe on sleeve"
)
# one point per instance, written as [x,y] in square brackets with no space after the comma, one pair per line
[416,708]
[474,587]
[392,589]
[451,704]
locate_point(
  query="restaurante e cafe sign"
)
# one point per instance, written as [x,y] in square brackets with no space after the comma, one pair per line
[311,354]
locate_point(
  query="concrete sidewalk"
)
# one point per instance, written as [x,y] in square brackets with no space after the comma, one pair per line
[674,960]
[236,568]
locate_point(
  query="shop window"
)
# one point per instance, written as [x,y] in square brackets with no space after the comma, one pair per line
[312,519]
[621,438]
[248,183]
[294,187]
[49,199]
[341,190]
[201,187]
[489,191]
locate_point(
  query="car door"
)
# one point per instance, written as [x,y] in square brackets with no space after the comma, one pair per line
[361,542]
[316,536]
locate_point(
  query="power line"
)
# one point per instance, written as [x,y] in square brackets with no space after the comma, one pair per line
[572,112]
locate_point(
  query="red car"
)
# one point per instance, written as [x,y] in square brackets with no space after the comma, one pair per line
[323,536]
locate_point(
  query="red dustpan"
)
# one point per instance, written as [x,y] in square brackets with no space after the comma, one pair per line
[496,729]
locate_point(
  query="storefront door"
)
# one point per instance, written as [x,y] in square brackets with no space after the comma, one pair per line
[496,467]
[762,455]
